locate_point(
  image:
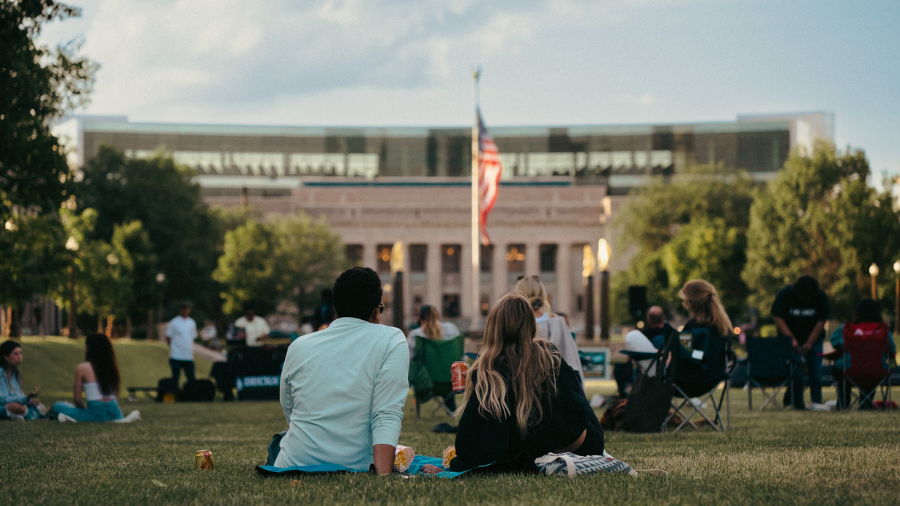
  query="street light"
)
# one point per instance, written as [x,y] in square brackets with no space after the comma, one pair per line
[587,272]
[897,298]
[397,270]
[72,245]
[603,254]
[873,271]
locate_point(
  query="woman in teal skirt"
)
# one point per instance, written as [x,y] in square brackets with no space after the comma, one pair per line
[98,379]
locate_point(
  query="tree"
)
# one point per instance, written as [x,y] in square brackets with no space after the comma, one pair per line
[39,85]
[682,230]
[183,237]
[820,217]
[286,259]
[33,260]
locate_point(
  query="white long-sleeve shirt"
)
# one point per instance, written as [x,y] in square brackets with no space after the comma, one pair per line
[342,391]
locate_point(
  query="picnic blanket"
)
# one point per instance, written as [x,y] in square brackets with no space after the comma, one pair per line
[415,469]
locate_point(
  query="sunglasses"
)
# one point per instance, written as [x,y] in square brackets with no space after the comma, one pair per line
[380,308]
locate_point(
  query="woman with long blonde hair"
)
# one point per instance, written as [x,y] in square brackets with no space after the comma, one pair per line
[430,327]
[522,400]
[550,326]
[704,306]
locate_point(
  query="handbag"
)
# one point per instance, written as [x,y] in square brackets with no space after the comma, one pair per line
[651,396]
[572,465]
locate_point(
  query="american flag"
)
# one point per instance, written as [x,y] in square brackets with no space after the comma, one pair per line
[489,171]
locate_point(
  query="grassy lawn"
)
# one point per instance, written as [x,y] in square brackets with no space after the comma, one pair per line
[772,457]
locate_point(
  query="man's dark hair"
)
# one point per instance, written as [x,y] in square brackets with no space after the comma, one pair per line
[806,287]
[248,306]
[183,306]
[357,292]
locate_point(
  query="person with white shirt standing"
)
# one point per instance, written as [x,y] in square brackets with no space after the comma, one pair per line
[343,388]
[256,328]
[180,336]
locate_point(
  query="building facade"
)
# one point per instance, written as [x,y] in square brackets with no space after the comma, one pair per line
[377,186]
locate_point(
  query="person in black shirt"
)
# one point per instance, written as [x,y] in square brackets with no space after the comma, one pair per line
[800,311]
[522,400]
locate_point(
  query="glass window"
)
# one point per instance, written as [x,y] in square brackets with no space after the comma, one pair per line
[487,258]
[450,258]
[548,257]
[383,258]
[418,254]
[354,254]
[515,258]
[450,307]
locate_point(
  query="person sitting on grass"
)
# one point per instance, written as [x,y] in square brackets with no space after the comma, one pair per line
[14,404]
[98,378]
[522,399]
[343,388]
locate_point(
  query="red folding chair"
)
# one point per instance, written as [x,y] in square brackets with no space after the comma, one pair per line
[867,345]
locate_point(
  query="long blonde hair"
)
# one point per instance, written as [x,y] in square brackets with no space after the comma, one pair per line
[534,290]
[702,301]
[430,321]
[509,336]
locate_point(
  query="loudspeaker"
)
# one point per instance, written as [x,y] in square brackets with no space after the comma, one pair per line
[201,390]
[637,302]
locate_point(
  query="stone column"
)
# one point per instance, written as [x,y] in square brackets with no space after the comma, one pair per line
[500,275]
[369,256]
[465,285]
[563,300]
[434,285]
[532,259]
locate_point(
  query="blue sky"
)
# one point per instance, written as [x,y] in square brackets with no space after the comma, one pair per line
[558,62]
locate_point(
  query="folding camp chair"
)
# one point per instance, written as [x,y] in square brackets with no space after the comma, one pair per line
[697,371]
[436,357]
[867,345]
[769,365]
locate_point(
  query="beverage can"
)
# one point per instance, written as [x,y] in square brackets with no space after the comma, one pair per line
[203,460]
[458,377]
[687,340]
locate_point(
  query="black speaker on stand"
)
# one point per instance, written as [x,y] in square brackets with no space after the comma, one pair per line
[637,302]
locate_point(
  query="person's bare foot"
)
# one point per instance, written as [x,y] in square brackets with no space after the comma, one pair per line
[430,469]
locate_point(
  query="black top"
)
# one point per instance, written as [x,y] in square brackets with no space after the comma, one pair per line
[657,335]
[800,316]
[482,440]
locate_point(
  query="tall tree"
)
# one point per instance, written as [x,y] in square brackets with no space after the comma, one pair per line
[694,227]
[286,259]
[820,217]
[183,235]
[39,84]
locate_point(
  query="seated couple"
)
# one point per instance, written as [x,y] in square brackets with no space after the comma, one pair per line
[343,391]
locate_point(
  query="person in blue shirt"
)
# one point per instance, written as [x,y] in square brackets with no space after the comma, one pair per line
[15,404]
[867,311]
[343,388]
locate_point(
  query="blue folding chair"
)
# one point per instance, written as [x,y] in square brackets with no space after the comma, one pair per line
[769,365]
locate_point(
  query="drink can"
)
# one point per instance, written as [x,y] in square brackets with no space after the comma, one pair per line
[203,460]
[457,376]
[687,340]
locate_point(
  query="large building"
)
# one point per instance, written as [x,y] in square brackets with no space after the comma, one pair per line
[376,186]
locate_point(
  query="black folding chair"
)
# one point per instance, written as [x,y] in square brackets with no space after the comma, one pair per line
[769,365]
[698,372]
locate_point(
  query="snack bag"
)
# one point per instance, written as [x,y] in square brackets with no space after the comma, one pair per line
[403,458]
[449,454]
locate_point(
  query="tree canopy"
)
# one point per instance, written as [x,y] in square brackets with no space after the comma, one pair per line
[39,85]
[285,259]
[688,228]
[820,217]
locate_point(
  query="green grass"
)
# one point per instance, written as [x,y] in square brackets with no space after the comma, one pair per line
[50,363]
[774,457]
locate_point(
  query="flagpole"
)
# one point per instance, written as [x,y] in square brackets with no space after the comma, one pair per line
[476,241]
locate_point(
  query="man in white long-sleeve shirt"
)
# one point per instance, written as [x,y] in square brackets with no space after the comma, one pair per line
[343,388]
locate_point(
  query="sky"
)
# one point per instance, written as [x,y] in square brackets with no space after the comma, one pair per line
[566,62]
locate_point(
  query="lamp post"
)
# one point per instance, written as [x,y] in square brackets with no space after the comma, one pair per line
[873,272]
[397,272]
[160,278]
[72,245]
[587,273]
[897,298]
[603,254]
